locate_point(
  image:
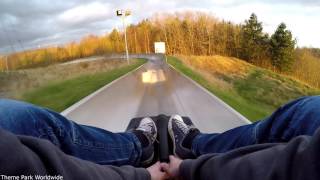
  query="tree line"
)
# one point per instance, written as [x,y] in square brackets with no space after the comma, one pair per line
[187,33]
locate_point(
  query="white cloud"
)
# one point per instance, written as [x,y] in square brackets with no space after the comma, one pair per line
[301,20]
[86,14]
[35,22]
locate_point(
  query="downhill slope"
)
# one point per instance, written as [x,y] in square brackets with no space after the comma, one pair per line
[252,91]
[153,89]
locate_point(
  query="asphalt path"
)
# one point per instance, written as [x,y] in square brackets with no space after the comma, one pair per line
[154,88]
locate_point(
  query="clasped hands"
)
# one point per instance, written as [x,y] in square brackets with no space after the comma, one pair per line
[160,171]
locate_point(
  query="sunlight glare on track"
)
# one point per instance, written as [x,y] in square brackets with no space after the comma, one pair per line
[153,76]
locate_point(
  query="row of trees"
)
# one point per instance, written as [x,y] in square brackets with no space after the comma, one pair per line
[257,46]
[88,46]
[188,33]
[307,65]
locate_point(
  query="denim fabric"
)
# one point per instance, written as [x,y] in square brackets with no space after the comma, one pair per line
[299,117]
[85,142]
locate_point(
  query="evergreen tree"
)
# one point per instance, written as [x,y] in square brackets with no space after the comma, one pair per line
[282,48]
[254,42]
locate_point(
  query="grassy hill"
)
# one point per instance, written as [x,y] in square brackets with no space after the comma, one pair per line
[59,86]
[252,91]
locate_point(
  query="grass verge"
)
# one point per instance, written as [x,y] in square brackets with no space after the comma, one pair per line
[252,91]
[61,94]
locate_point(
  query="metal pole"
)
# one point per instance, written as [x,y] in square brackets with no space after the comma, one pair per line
[125,37]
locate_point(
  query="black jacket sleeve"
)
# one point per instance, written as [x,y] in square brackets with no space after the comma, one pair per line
[298,159]
[22,155]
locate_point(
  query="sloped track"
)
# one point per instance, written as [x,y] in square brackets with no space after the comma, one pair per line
[154,88]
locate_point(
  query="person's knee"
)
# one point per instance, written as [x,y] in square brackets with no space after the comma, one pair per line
[298,117]
[13,108]
[306,103]
[310,104]
[312,100]
[15,115]
[306,118]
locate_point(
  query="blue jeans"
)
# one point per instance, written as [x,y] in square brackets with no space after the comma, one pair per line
[85,142]
[299,117]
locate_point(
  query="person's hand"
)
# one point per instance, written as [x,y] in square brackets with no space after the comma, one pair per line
[172,169]
[157,172]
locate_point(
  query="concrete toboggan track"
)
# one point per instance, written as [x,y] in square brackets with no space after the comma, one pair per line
[152,89]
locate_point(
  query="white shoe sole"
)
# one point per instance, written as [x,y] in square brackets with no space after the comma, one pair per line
[170,130]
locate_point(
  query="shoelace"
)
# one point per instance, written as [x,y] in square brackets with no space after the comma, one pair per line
[184,128]
[147,128]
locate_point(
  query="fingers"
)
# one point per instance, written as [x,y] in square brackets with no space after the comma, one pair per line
[165,167]
[161,167]
[157,164]
[172,158]
[156,171]
[165,170]
[164,175]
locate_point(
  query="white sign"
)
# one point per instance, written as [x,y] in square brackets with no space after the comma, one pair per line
[160,47]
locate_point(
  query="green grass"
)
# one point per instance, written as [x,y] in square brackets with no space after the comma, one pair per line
[64,93]
[256,96]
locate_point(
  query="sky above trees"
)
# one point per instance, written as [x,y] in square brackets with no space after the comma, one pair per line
[34,23]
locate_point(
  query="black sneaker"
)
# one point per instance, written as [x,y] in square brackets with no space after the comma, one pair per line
[182,136]
[147,134]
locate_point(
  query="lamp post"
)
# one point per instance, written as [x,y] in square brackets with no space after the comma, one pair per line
[7,66]
[123,14]
[4,63]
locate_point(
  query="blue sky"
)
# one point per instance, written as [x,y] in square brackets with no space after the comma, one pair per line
[36,23]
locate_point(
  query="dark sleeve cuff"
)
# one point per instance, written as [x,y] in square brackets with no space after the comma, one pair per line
[143,174]
[190,168]
[184,168]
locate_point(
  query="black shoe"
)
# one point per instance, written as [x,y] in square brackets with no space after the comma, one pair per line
[182,136]
[147,134]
